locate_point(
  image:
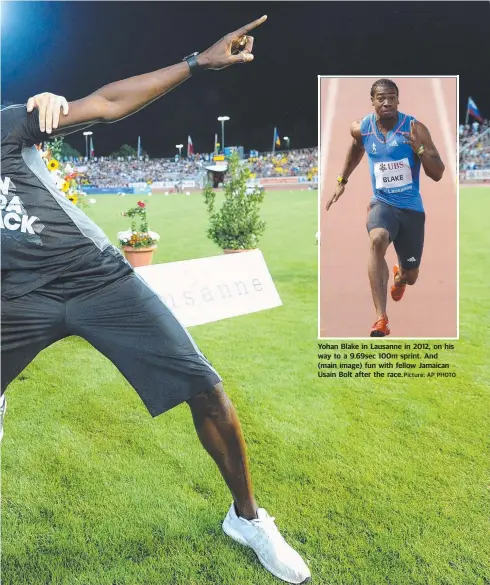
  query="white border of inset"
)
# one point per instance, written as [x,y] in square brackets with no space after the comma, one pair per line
[453,168]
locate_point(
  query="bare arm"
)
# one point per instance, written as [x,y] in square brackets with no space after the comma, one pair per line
[430,159]
[120,99]
[419,136]
[356,151]
[354,156]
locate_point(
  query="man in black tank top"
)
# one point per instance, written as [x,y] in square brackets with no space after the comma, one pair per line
[61,276]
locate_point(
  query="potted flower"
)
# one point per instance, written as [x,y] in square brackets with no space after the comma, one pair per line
[138,243]
[236,226]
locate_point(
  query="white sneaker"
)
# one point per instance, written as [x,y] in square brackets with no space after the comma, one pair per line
[264,538]
[3,408]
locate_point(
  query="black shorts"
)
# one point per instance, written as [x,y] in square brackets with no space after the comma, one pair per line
[406,229]
[110,306]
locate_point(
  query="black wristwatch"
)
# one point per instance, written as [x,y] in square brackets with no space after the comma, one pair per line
[192,62]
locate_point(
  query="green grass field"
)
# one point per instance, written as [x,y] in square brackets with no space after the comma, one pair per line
[374,482]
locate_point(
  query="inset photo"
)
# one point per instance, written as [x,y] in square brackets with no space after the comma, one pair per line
[388,207]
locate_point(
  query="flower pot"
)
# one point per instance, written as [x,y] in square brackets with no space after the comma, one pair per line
[227,251]
[139,256]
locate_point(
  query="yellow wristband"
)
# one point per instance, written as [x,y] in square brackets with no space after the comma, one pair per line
[341,180]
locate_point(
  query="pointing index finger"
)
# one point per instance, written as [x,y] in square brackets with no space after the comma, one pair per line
[250,26]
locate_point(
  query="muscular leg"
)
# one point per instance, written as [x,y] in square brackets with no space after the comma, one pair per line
[409,245]
[378,270]
[406,276]
[220,433]
[105,323]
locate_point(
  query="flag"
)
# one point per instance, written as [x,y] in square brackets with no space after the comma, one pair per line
[190,146]
[277,140]
[92,152]
[473,110]
[139,146]
[216,143]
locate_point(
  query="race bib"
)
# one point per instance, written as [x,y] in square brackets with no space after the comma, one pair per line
[393,174]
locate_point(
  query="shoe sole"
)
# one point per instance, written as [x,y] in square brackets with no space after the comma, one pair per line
[237,537]
[399,298]
[379,334]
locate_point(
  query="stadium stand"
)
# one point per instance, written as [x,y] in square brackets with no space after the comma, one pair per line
[474,145]
[474,152]
[106,172]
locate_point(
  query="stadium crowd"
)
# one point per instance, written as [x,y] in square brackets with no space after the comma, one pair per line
[474,146]
[285,164]
[120,172]
[107,172]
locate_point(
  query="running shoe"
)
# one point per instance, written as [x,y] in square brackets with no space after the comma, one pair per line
[396,290]
[380,327]
[264,538]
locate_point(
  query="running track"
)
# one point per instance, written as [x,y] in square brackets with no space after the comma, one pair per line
[428,309]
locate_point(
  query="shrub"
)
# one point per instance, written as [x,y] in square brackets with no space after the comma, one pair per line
[237,224]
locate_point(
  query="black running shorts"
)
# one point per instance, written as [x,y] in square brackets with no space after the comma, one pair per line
[406,229]
[111,307]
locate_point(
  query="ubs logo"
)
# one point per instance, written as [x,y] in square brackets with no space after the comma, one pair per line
[394,166]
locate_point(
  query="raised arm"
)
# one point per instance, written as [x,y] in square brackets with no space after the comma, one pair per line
[353,158]
[50,107]
[421,142]
[120,99]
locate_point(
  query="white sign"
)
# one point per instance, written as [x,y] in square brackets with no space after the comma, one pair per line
[393,174]
[478,174]
[205,290]
[164,184]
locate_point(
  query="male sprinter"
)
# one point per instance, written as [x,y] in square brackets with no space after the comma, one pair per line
[397,145]
[49,107]
[61,277]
